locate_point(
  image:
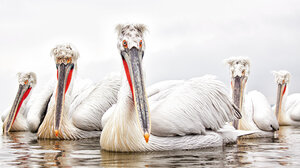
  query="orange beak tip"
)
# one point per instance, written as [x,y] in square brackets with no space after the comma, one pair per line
[146,136]
[56,133]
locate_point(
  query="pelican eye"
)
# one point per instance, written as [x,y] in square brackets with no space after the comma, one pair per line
[26,82]
[125,44]
[69,60]
[243,72]
[141,44]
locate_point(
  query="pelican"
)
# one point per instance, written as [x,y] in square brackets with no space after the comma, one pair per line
[287,108]
[184,114]
[14,118]
[255,108]
[71,107]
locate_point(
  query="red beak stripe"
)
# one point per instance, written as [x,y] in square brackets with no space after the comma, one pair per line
[20,104]
[128,77]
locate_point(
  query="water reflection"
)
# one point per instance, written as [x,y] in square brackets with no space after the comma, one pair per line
[23,148]
[207,157]
[266,152]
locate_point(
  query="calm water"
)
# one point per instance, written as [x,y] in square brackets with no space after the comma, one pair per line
[23,149]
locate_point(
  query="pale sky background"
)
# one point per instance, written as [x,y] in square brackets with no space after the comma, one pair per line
[186,39]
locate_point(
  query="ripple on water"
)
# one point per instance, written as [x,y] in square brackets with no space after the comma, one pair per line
[23,148]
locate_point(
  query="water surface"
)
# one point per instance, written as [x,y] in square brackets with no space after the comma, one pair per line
[24,149]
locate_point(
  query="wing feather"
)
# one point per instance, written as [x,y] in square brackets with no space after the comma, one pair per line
[39,106]
[192,107]
[292,106]
[90,108]
[263,116]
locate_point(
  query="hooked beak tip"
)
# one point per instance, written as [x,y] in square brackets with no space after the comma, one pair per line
[146,136]
[56,133]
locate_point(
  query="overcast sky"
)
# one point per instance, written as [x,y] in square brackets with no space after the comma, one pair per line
[186,39]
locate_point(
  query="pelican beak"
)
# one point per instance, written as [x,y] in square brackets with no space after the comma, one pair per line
[132,60]
[238,86]
[280,92]
[23,92]
[64,76]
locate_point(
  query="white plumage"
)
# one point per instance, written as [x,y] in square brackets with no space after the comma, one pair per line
[293,107]
[20,122]
[84,102]
[185,108]
[184,114]
[258,116]
[197,101]
[255,108]
[289,105]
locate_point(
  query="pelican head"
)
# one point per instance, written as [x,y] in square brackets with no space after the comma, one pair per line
[65,54]
[282,78]
[131,46]
[65,57]
[26,82]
